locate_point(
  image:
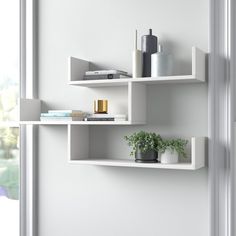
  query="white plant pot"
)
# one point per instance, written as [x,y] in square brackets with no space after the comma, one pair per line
[169,157]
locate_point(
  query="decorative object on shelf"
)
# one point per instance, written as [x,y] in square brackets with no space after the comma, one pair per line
[170,150]
[146,157]
[100,106]
[145,146]
[105,74]
[149,46]
[63,115]
[105,117]
[162,63]
[137,59]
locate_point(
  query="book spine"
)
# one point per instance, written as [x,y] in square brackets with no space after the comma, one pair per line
[65,111]
[42,118]
[123,117]
[63,114]
[96,77]
[99,119]
[55,114]
[120,120]
[106,72]
[61,118]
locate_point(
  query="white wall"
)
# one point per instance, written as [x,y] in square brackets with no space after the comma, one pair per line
[107,201]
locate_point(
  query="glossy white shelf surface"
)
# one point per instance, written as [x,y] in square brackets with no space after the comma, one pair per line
[78,123]
[146,80]
[79,153]
[78,67]
[132,163]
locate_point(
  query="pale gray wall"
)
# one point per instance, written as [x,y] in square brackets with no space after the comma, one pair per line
[107,201]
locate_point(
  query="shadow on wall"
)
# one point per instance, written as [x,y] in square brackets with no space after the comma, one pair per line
[180,105]
[181,66]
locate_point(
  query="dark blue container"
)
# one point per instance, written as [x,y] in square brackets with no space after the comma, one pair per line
[149,46]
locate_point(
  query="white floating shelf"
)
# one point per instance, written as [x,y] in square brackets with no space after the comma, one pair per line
[136,100]
[77,123]
[79,153]
[132,163]
[79,142]
[147,80]
[30,110]
[78,67]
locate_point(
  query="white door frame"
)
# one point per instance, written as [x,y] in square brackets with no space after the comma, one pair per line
[28,134]
[221,117]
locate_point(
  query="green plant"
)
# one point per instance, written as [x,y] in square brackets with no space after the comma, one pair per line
[144,142]
[174,144]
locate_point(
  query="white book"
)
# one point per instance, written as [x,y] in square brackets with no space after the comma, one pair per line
[100,116]
[65,111]
[106,72]
[116,116]
[74,118]
[120,119]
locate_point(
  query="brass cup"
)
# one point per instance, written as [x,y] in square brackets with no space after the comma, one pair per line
[101,106]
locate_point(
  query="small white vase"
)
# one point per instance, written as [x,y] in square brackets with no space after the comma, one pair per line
[169,157]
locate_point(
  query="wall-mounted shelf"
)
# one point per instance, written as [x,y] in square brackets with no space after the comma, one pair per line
[79,153]
[78,67]
[34,106]
[136,99]
[147,80]
[79,142]
[132,163]
[77,123]
[136,110]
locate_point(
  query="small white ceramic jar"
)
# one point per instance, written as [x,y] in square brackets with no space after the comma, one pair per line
[162,64]
[169,156]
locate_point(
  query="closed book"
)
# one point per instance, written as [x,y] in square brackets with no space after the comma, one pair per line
[55,114]
[74,118]
[99,119]
[62,114]
[99,77]
[65,111]
[100,116]
[106,72]
[120,119]
[116,116]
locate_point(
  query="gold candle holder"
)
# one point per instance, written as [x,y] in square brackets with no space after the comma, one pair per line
[100,106]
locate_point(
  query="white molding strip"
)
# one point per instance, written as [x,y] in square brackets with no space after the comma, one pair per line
[28,185]
[31,49]
[221,91]
[28,89]
[232,119]
[233,187]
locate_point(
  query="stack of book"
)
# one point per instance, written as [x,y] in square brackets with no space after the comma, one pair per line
[63,115]
[105,74]
[105,117]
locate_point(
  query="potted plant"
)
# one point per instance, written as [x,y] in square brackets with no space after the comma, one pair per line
[145,146]
[170,150]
